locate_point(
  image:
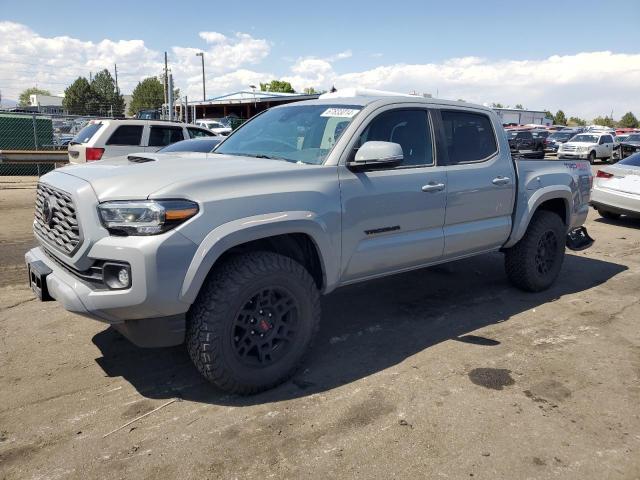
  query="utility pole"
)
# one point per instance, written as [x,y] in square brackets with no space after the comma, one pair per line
[204,95]
[170,105]
[115,71]
[165,83]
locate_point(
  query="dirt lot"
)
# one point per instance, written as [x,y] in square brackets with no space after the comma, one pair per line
[446,372]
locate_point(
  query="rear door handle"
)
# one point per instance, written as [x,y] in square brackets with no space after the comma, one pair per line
[433,187]
[501,180]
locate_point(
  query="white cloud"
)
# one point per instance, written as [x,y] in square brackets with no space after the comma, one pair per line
[585,84]
[212,37]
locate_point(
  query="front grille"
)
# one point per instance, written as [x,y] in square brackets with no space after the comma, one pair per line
[569,148]
[55,219]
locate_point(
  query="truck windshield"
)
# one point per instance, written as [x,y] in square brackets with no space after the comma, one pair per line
[632,138]
[296,133]
[585,139]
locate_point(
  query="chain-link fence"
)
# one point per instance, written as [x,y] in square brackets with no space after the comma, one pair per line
[34,143]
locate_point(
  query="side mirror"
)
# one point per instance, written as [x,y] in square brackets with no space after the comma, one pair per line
[376,154]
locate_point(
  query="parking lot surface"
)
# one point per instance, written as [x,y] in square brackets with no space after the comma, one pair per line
[446,372]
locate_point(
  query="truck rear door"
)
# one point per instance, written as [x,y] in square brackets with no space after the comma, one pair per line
[480,183]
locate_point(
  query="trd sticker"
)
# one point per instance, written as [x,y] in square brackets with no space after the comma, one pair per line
[576,166]
[339,112]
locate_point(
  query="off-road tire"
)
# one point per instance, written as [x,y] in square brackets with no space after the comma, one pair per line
[211,320]
[608,214]
[522,260]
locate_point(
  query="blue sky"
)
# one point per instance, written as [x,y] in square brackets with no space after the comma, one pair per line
[353,39]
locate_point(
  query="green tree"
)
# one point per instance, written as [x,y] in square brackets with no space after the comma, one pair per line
[309,91]
[576,121]
[628,120]
[106,101]
[149,93]
[548,114]
[277,86]
[605,121]
[79,98]
[559,118]
[497,105]
[519,106]
[24,100]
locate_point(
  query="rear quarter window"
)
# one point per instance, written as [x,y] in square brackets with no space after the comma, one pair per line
[469,137]
[126,135]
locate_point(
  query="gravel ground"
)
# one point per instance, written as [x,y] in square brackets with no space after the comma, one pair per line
[446,372]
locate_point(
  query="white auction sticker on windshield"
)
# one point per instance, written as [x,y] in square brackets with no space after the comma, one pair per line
[339,112]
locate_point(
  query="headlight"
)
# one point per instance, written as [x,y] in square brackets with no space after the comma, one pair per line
[146,217]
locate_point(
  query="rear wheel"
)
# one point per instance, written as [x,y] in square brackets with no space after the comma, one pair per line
[534,263]
[608,214]
[253,321]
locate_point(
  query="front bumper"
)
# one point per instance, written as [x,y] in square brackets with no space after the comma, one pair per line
[150,312]
[573,155]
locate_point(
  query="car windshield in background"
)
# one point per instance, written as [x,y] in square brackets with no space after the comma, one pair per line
[202,144]
[585,138]
[633,138]
[560,136]
[512,134]
[632,161]
[84,135]
[300,133]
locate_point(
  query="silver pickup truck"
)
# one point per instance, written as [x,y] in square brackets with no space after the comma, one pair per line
[229,252]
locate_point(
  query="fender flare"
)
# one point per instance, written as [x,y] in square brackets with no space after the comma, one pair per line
[237,232]
[552,192]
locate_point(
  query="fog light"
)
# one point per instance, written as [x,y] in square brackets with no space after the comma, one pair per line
[116,275]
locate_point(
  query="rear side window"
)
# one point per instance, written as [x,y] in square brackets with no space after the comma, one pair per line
[84,135]
[161,136]
[469,136]
[126,135]
[409,128]
[199,132]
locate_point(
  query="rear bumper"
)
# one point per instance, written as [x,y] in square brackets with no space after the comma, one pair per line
[616,202]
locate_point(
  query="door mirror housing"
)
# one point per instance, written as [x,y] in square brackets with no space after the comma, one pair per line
[375,154]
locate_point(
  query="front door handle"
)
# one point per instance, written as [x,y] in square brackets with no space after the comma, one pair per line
[501,180]
[433,187]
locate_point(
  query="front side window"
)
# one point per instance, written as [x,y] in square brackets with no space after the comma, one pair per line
[408,128]
[296,133]
[469,137]
[126,135]
[161,136]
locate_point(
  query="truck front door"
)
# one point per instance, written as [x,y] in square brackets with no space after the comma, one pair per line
[393,217]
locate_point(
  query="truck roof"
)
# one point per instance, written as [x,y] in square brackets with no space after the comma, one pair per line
[366,97]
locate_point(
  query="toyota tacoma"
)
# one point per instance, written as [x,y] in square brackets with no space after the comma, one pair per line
[229,252]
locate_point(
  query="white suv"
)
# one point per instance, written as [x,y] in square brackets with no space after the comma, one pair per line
[101,139]
[588,145]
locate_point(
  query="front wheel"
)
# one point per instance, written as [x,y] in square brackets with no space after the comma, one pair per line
[592,158]
[534,263]
[253,321]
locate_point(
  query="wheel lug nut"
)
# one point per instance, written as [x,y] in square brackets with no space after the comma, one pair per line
[253,332]
[270,315]
[262,335]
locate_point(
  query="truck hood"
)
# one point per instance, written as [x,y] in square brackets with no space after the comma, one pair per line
[579,144]
[123,179]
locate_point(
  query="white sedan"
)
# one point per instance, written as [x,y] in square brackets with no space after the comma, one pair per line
[616,189]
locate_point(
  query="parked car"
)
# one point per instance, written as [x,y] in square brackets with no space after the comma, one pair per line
[215,126]
[523,143]
[616,189]
[629,145]
[101,139]
[590,146]
[553,141]
[199,144]
[230,252]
